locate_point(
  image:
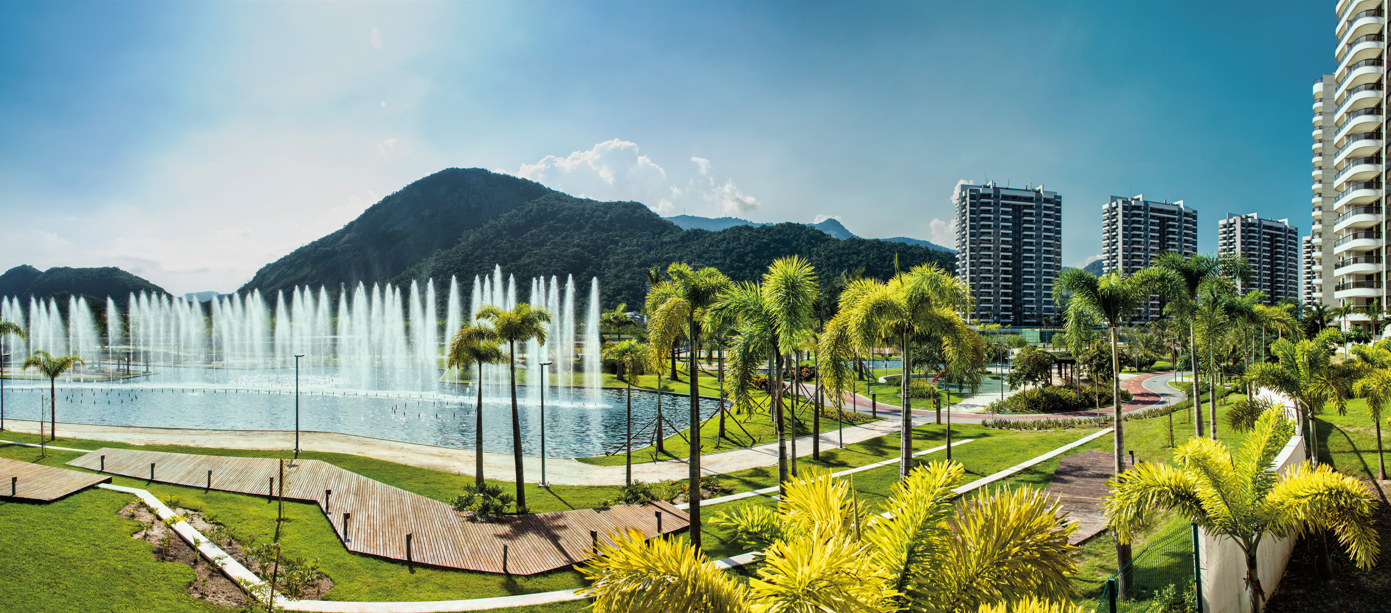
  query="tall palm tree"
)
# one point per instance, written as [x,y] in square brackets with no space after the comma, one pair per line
[6,328]
[1304,372]
[1375,386]
[771,317]
[52,368]
[1110,300]
[922,305]
[1218,310]
[679,302]
[616,319]
[1377,317]
[1239,496]
[518,325]
[825,551]
[476,345]
[630,355]
[1191,273]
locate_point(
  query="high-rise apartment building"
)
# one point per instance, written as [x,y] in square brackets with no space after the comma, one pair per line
[1272,248]
[1009,250]
[1135,230]
[1349,148]
[1306,269]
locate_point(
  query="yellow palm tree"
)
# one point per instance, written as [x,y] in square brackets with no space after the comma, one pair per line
[519,325]
[1239,496]
[824,551]
[1375,386]
[52,368]
[476,345]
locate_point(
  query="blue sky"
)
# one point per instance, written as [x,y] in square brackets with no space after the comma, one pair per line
[192,143]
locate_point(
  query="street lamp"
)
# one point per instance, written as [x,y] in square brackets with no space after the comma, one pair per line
[297,357]
[543,424]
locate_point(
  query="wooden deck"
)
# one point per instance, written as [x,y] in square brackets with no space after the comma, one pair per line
[379,517]
[1080,483]
[42,483]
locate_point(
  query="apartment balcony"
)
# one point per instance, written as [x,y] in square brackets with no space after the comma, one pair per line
[1357,146]
[1358,121]
[1317,174]
[1359,72]
[1357,193]
[1357,170]
[1318,210]
[1318,114]
[1317,147]
[1357,289]
[1355,241]
[1349,11]
[1360,265]
[1352,50]
[1360,97]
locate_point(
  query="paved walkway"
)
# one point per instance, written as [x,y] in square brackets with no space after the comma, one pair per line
[373,518]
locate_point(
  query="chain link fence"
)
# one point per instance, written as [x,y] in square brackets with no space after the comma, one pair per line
[1162,579]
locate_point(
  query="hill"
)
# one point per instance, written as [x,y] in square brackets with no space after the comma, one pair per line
[18,279]
[464,222]
[830,226]
[615,241]
[96,283]
[1097,267]
[400,230]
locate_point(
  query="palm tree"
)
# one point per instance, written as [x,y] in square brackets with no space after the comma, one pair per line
[519,325]
[1110,300]
[1241,497]
[476,345]
[1191,273]
[919,306]
[616,319]
[1377,317]
[1304,372]
[823,550]
[7,328]
[679,302]
[1375,386]
[52,368]
[770,317]
[1316,317]
[630,355]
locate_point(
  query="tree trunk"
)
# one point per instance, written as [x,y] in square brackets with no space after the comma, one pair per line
[1381,461]
[52,411]
[1126,573]
[721,435]
[516,427]
[905,440]
[478,432]
[1193,363]
[673,363]
[1253,581]
[693,488]
[780,421]
[792,456]
[1212,391]
[816,410]
[661,447]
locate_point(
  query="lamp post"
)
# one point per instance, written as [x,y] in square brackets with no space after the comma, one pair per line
[297,357]
[543,424]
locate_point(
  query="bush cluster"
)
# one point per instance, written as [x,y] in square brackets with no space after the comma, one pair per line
[919,388]
[1058,399]
[486,502]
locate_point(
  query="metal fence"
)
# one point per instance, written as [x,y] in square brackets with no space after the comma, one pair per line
[1162,578]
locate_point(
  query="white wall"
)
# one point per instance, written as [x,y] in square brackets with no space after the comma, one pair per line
[1223,564]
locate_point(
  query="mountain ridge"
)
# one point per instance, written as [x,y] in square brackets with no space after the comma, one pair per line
[831,226]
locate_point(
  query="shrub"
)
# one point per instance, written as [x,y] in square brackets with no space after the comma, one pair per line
[640,492]
[1058,399]
[919,388]
[485,502]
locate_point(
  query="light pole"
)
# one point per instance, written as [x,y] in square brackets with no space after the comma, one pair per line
[297,357]
[543,424]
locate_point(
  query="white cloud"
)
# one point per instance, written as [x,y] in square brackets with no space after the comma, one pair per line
[944,232]
[821,218]
[386,144]
[616,170]
[376,39]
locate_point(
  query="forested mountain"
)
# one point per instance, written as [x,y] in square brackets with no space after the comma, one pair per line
[96,283]
[830,226]
[615,241]
[464,222]
[1096,267]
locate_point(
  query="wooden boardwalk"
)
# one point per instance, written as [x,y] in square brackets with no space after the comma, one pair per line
[380,519]
[42,483]
[1080,483]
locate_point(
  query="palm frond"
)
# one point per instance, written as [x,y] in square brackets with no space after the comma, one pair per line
[1317,498]
[659,576]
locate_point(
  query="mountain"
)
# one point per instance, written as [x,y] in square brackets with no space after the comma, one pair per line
[1097,267]
[203,296]
[616,241]
[400,230]
[463,223]
[831,226]
[18,279]
[97,283]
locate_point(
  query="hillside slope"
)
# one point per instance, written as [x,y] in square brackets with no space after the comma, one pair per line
[98,283]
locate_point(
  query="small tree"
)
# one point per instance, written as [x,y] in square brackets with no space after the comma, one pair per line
[1032,367]
[52,368]
[518,325]
[630,355]
[476,345]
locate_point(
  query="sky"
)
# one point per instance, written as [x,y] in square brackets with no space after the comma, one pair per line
[193,143]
